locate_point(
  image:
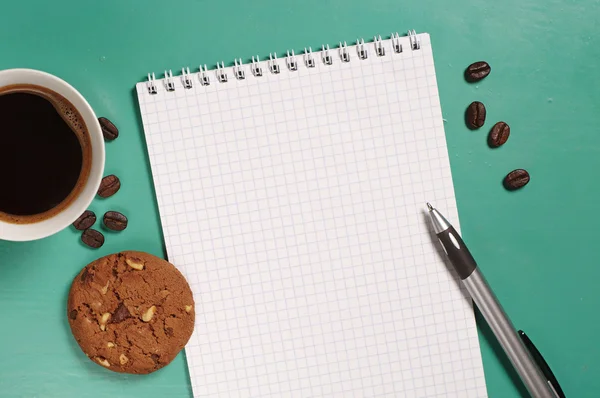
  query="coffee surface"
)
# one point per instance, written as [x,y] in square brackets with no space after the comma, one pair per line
[45,153]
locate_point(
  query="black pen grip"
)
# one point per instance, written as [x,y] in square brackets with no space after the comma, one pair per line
[457,252]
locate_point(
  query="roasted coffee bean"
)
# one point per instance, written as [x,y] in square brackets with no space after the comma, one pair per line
[115,221]
[498,134]
[86,220]
[121,313]
[475,115]
[477,71]
[109,186]
[516,179]
[109,130]
[92,238]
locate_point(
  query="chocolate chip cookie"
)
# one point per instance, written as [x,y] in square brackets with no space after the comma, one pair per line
[131,312]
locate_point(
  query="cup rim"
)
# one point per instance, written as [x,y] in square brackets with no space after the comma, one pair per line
[58,222]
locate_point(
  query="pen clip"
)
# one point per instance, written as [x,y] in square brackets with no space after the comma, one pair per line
[542,364]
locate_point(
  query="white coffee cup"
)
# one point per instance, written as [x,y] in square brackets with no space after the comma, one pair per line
[64,218]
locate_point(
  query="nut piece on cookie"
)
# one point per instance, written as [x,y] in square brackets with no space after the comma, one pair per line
[104,320]
[123,359]
[102,361]
[110,344]
[188,308]
[149,314]
[135,263]
[105,288]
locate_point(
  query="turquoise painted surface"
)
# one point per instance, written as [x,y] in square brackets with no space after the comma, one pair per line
[537,247]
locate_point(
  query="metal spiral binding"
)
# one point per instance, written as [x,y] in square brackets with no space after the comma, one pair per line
[169,83]
[255,67]
[186,78]
[309,60]
[204,79]
[415,42]
[344,52]
[291,61]
[379,49]
[396,43]
[150,84]
[361,49]
[238,71]
[221,73]
[327,60]
[273,65]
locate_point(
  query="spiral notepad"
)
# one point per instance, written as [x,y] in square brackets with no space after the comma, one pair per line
[292,192]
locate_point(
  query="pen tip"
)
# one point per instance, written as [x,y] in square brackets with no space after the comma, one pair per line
[429,206]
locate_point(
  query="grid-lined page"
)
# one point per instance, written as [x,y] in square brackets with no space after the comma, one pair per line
[294,203]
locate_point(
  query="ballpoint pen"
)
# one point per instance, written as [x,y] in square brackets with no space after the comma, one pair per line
[527,361]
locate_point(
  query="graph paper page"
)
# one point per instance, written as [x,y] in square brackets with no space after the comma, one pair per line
[294,204]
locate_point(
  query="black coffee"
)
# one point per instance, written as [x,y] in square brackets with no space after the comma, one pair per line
[44,153]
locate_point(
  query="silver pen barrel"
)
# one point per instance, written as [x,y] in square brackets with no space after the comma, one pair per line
[505,333]
[466,267]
